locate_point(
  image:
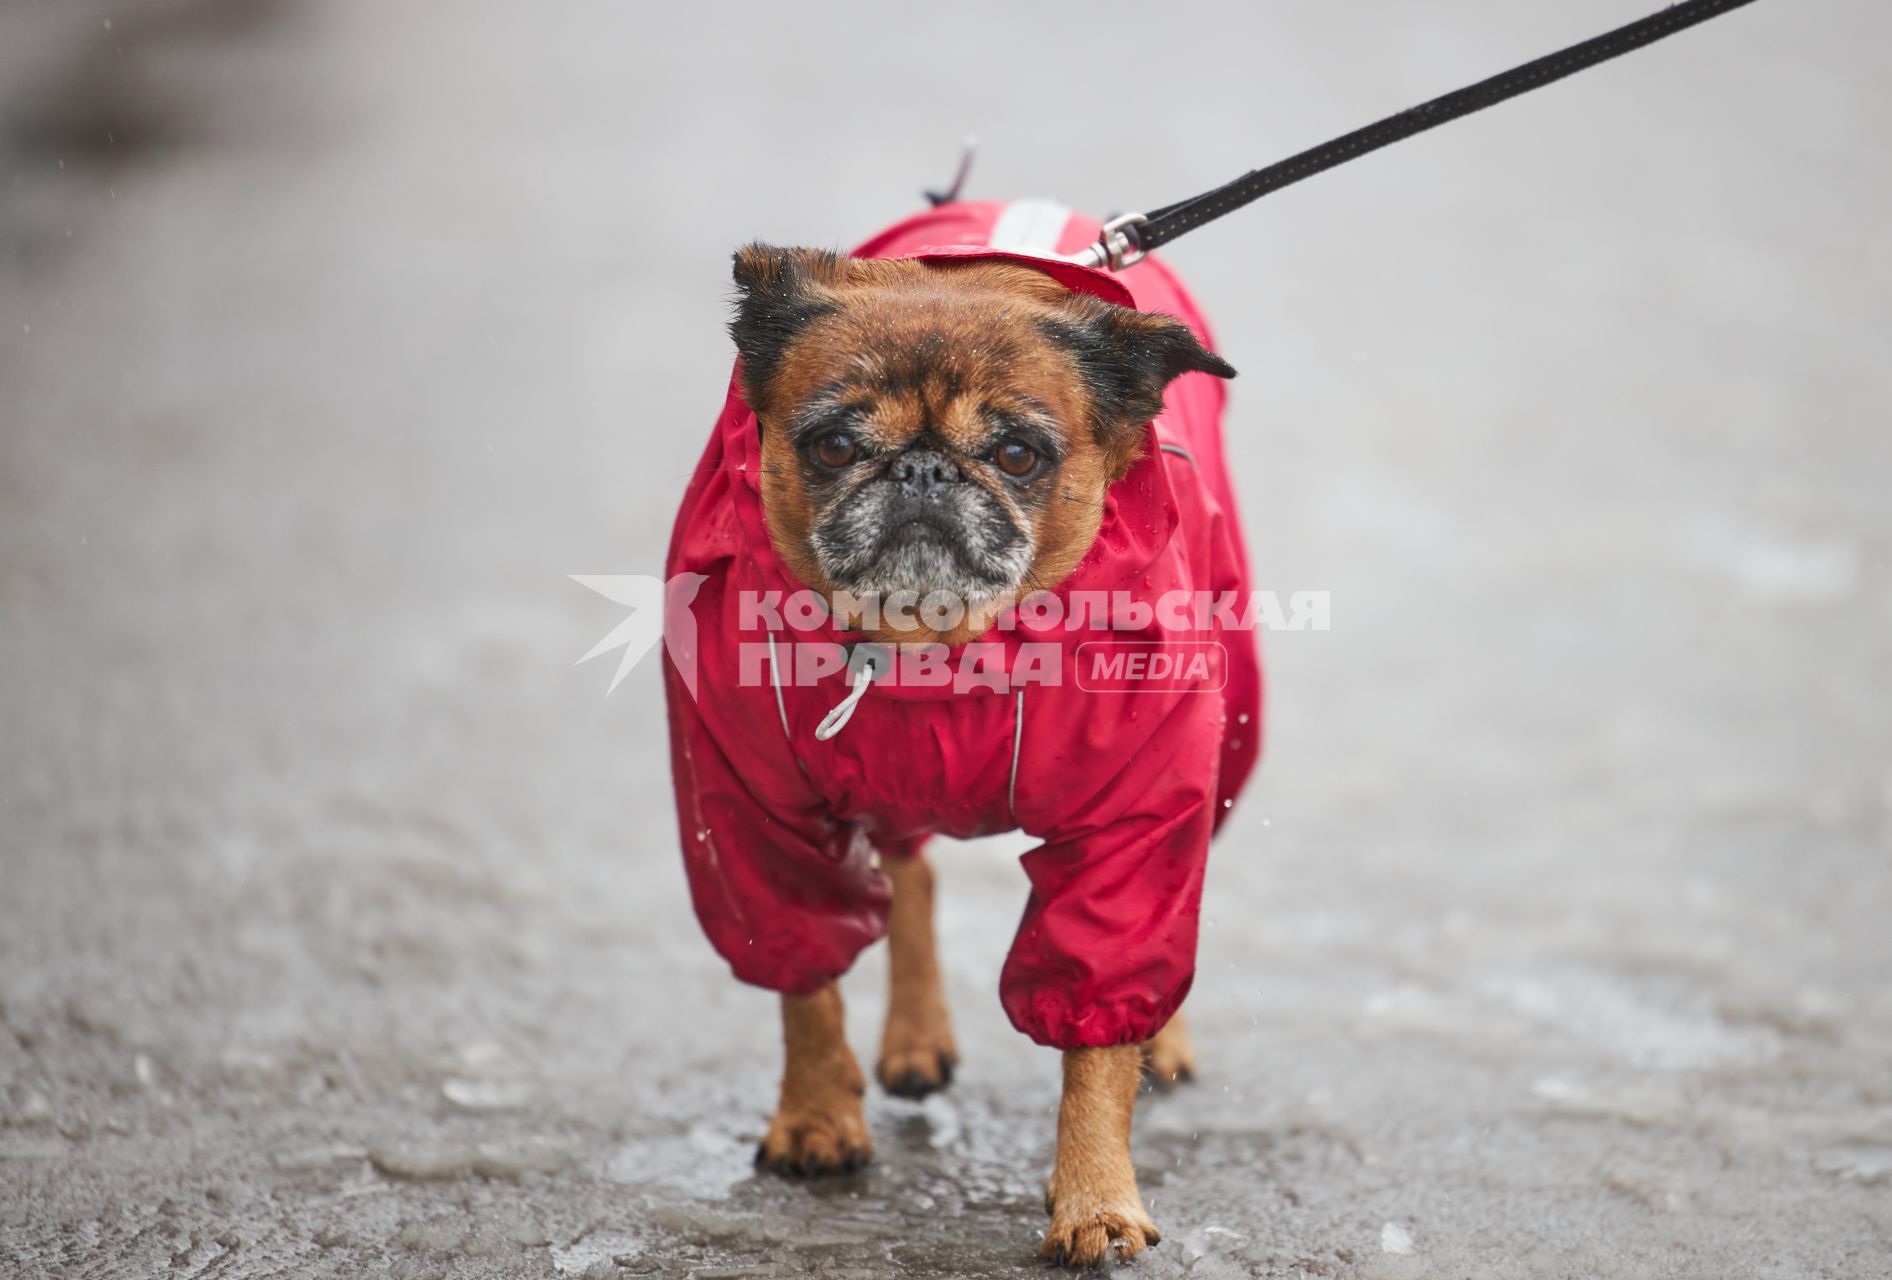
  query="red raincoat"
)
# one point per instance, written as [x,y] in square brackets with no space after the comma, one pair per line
[782,834]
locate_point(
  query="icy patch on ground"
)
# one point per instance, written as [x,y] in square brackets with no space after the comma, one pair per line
[706,1162]
[1613,1017]
[446,1162]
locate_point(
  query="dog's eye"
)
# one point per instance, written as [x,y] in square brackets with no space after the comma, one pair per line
[836,449]
[1016,458]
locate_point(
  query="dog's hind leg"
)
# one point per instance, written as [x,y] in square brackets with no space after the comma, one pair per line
[1170,1055]
[917,1053]
[819,1125]
[1092,1197]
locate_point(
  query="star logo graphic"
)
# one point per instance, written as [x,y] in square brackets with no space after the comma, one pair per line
[659,608]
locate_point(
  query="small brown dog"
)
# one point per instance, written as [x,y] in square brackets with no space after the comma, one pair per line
[961,427]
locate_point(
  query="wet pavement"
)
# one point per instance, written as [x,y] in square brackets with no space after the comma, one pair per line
[341,925]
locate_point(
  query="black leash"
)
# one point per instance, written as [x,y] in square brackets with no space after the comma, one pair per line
[1127,238]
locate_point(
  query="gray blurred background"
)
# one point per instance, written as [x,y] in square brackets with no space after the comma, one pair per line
[341,925]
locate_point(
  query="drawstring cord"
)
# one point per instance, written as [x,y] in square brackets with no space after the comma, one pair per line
[836,720]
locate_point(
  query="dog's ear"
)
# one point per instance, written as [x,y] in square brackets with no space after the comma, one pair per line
[779,291]
[1126,358]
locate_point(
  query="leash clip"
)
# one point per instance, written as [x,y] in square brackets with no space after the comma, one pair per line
[1118,246]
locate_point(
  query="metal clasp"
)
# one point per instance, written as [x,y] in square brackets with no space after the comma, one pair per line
[1118,245]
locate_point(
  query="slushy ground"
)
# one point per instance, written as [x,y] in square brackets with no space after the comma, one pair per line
[342,928]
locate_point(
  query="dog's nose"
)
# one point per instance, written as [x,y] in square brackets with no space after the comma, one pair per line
[924,473]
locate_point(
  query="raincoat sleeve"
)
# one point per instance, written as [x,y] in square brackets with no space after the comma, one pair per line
[1107,947]
[788,896]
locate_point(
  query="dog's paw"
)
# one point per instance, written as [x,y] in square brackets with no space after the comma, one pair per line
[1169,1057]
[915,1069]
[1084,1237]
[811,1143]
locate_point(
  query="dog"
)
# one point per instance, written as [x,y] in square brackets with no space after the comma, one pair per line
[968,450]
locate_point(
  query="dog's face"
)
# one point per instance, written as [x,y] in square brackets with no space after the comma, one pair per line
[935,427]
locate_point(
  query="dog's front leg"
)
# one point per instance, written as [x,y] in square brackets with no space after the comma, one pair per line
[819,1125]
[1092,1197]
[917,1053]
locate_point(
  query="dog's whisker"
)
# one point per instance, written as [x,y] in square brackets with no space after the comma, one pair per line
[697,471]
